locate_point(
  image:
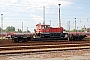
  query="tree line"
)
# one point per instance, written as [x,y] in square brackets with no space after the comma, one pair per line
[81,30]
[12,29]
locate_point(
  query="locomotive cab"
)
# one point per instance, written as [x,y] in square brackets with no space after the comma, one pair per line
[42,28]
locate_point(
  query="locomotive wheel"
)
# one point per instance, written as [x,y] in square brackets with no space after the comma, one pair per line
[80,38]
[16,40]
[24,40]
[71,38]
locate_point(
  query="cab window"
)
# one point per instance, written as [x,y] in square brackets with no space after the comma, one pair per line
[42,27]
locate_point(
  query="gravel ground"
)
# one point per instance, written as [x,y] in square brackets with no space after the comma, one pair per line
[54,55]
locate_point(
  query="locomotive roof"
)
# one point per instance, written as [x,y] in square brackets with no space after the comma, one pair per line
[42,25]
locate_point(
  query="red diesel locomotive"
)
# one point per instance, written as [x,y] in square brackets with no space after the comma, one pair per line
[46,31]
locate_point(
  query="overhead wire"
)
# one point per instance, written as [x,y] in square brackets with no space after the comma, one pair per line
[52,13]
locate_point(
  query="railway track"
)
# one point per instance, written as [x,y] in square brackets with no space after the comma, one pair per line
[41,50]
[42,46]
[10,43]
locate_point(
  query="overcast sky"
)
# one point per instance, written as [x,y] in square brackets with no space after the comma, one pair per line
[30,12]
